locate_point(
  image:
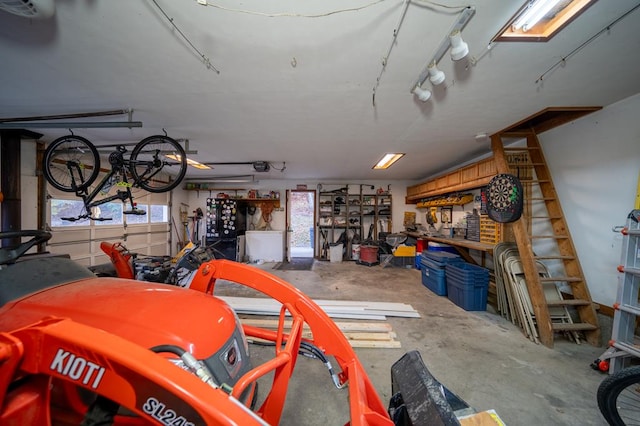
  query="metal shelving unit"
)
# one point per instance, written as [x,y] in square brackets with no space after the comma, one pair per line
[343,215]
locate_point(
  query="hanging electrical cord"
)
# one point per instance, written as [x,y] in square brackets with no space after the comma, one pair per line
[205,60]
[577,49]
[287,14]
[396,30]
[284,166]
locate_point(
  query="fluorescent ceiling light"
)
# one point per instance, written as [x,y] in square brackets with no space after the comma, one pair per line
[533,14]
[192,163]
[539,20]
[388,160]
[226,179]
[232,180]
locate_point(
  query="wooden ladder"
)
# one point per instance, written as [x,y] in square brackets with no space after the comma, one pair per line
[543,222]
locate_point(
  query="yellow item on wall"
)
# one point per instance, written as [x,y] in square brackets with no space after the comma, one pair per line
[637,203]
[433,215]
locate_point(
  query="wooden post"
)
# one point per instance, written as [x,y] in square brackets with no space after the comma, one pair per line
[534,287]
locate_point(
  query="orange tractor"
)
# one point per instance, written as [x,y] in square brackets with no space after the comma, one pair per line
[80,349]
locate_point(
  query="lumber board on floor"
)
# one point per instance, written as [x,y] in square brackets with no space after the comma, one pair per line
[359,334]
[370,336]
[372,344]
[393,344]
[333,308]
[344,326]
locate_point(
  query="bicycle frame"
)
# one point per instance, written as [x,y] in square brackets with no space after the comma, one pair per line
[145,168]
[118,165]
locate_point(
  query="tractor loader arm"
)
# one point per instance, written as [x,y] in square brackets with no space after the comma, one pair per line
[365,404]
[419,398]
[156,390]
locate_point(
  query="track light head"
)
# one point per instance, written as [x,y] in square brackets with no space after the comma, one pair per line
[459,49]
[436,76]
[423,94]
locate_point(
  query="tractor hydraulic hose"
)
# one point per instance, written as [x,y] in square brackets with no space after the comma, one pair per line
[312,351]
[318,353]
[191,363]
[172,349]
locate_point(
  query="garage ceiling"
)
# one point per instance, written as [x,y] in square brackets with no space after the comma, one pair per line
[299,89]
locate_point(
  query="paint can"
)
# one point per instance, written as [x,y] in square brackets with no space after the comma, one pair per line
[355,252]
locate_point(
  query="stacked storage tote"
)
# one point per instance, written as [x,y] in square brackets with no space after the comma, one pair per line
[467,285]
[433,265]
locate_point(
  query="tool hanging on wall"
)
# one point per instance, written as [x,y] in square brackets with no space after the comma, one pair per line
[325,244]
[266,209]
[251,211]
[184,219]
[432,217]
[195,229]
[175,228]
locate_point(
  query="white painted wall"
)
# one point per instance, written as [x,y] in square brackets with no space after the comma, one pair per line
[595,162]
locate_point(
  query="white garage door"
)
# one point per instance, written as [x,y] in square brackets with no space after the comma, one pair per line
[148,234]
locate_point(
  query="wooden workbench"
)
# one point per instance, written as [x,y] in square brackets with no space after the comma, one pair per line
[460,244]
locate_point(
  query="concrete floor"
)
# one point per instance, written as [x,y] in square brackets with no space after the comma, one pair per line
[479,356]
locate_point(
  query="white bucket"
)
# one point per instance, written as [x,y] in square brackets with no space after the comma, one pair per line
[355,251]
[335,253]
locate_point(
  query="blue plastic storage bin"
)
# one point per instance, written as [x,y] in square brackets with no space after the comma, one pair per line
[467,285]
[433,272]
[433,246]
[466,272]
[434,279]
[442,257]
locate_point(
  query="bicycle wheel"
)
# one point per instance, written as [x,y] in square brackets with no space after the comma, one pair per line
[158,164]
[71,163]
[619,397]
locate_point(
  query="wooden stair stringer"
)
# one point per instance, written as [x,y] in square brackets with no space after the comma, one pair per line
[532,279]
[573,275]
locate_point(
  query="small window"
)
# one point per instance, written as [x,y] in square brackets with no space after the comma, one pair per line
[66,208]
[540,20]
[138,219]
[110,211]
[159,213]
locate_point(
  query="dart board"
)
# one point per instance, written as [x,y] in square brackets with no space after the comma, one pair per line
[504,198]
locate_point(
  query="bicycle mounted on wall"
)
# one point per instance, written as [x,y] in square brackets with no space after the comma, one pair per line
[72,164]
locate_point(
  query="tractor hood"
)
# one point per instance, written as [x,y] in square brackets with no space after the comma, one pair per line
[146,313]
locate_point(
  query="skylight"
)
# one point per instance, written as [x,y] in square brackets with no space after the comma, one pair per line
[539,20]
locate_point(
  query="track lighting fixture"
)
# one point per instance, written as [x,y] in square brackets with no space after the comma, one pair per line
[423,94]
[459,49]
[436,76]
